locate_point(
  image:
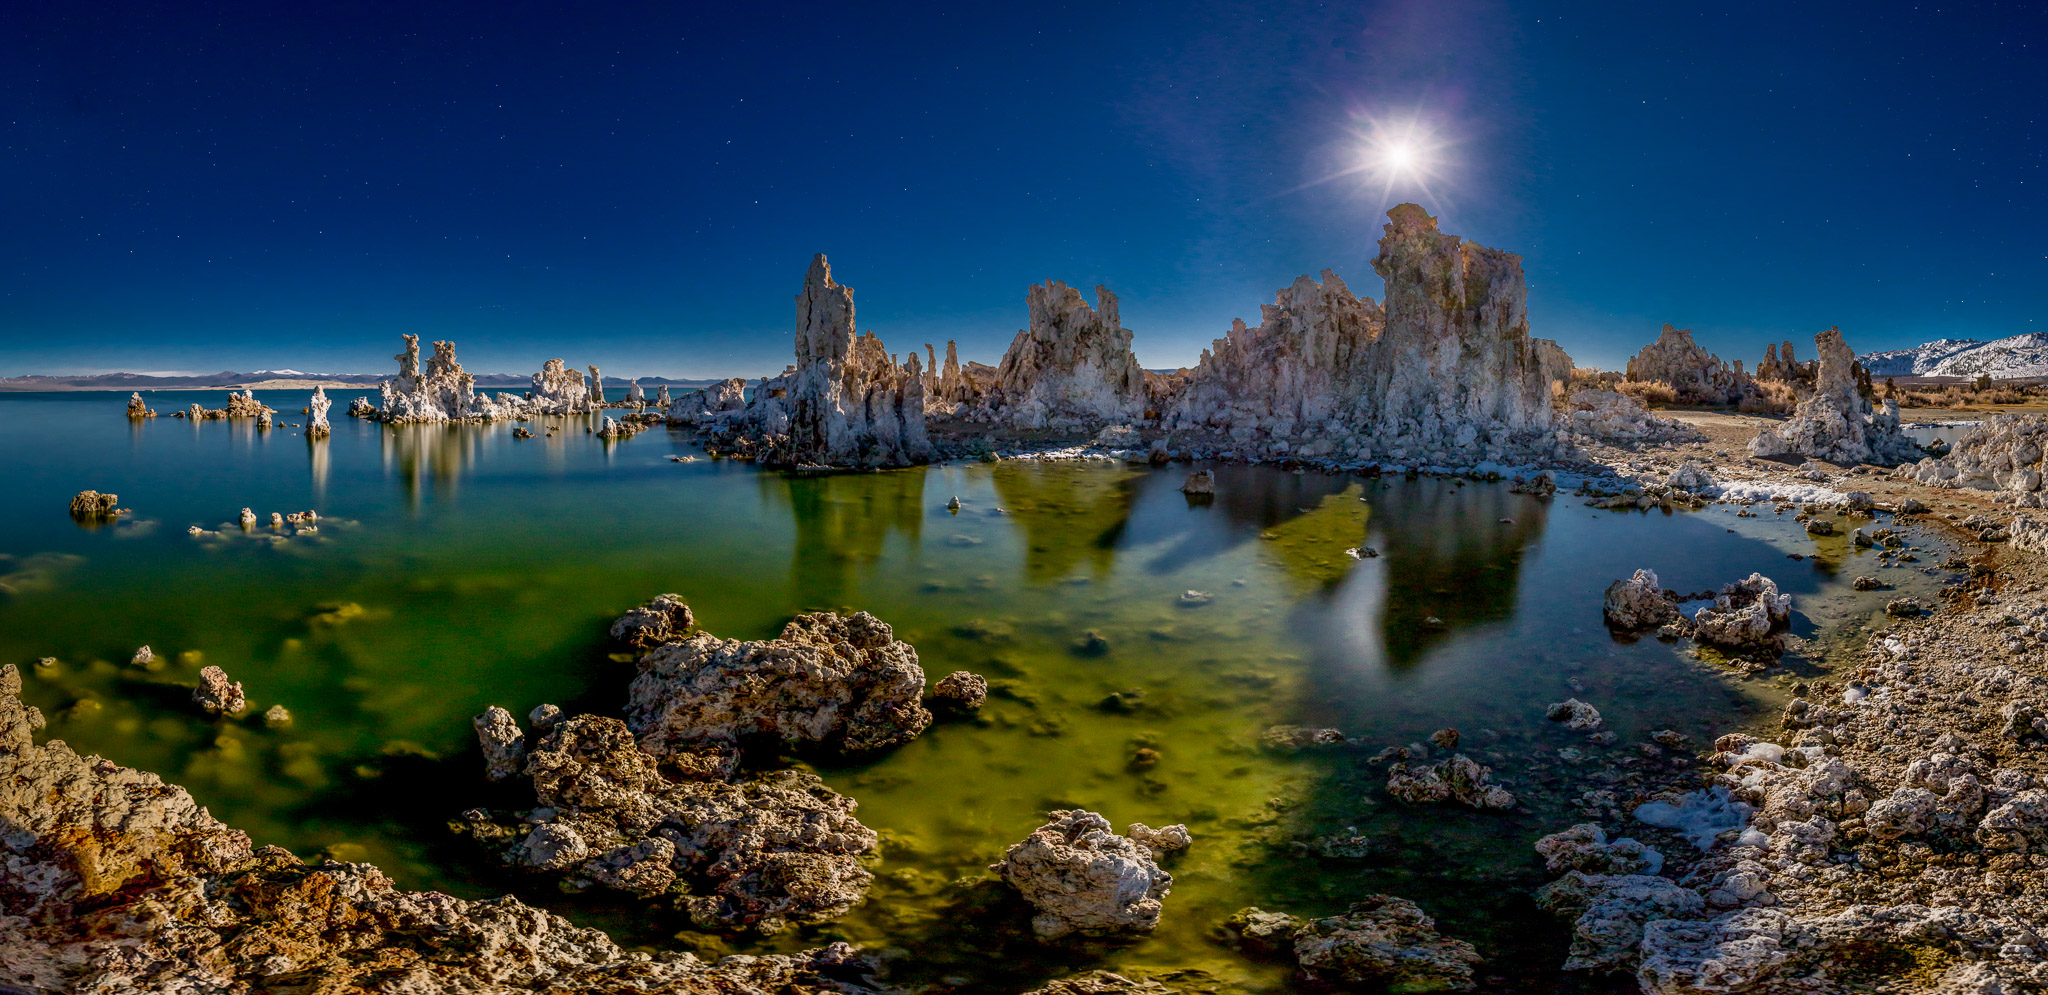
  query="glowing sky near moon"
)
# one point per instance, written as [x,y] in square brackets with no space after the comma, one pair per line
[206,185]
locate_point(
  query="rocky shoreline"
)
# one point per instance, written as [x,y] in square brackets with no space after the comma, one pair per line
[1894,829]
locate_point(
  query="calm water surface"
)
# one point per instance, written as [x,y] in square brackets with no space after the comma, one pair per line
[458,567]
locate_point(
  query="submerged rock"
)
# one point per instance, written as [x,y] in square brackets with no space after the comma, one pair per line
[1200,483]
[1102,983]
[1575,714]
[215,695]
[1458,779]
[1084,878]
[1585,847]
[960,692]
[840,681]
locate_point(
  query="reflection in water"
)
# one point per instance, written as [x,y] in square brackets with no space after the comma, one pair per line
[1068,518]
[316,456]
[843,523]
[387,630]
[444,452]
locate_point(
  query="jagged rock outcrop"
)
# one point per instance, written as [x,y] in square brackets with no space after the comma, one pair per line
[1445,371]
[721,400]
[596,387]
[1696,375]
[661,398]
[1071,368]
[634,396]
[1300,373]
[558,390]
[113,881]
[654,622]
[1386,942]
[1617,419]
[361,407]
[1780,364]
[316,421]
[138,409]
[2007,454]
[442,392]
[762,852]
[849,403]
[1837,423]
[92,507]
[1084,878]
[216,695]
[243,404]
[840,681]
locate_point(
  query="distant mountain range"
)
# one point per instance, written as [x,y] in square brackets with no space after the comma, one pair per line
[2013,358]
[285,379]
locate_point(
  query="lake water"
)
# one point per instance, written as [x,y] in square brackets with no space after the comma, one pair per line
[458,567]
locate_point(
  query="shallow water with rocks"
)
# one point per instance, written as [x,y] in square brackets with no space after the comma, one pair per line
[456,567]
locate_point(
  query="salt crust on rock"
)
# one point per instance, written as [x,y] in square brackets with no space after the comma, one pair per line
[2007,454]
[1746,616]
[1084,878]
[113,881]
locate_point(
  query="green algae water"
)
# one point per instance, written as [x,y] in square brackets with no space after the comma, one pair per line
[457,567]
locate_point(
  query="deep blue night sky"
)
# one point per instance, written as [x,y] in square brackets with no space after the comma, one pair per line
[195,187]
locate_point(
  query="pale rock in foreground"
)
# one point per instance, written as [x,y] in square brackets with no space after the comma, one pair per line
[841,681]
[1084,878]
[1746,616]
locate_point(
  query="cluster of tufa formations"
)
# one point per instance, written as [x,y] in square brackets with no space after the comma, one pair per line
[1443,373]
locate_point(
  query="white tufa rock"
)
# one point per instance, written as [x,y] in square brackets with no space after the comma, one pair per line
[1836,423]
[1696,375]
[1084,878]
[316,425]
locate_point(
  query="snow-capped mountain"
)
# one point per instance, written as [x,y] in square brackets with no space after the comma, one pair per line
[2004,359]
[1915,362]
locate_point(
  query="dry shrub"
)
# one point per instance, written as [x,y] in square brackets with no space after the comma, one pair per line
[1772,397]
[1650,392]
